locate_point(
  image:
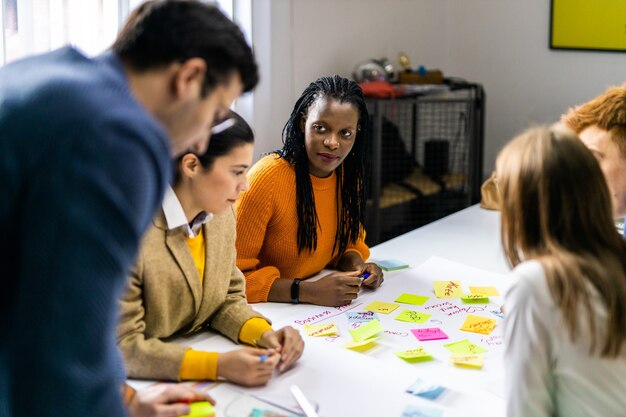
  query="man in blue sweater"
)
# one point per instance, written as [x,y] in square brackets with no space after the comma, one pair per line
[85,147]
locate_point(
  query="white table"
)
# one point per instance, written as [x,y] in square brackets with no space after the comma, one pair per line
[373,383]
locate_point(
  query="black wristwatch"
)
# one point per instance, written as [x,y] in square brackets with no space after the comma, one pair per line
[295,291]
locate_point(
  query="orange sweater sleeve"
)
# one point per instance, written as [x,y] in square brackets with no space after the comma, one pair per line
[360,247]
[253,216]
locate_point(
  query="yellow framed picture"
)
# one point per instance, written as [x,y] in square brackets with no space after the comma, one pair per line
[593,25]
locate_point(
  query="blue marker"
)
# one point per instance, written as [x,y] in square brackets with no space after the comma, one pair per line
[263,358]
[364,276]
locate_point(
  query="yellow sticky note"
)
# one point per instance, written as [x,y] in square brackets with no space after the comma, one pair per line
[448,289]
[478,324]
[411,299]
[475,298]
[362,345]
[324,329]
[382,307]
[415,355]
[470,361]
[413,316]
[493,291]
[366,330]
[465,347]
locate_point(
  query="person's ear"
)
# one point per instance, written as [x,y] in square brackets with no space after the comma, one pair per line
[189,78]
[190,165]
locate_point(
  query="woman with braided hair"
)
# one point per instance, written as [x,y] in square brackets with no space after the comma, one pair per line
[305,208]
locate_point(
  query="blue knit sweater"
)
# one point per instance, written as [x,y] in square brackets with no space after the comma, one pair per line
[82,171]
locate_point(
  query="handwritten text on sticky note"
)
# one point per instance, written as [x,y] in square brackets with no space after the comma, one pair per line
[448,289]
[478,324]
[382,307]
[471,361]
[413,316]
[366,330]
[361,316]
[429,333]
[464,347]
[318,330]
[417,354]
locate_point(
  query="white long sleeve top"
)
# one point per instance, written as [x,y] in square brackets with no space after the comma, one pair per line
[546,373]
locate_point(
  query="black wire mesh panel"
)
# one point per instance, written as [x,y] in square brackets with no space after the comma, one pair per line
[426,159]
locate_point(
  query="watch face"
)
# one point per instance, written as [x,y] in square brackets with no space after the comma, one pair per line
[295,291]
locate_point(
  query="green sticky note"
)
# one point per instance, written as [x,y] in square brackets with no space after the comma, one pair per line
[366,330]
[391,264]
[464,347]
[475,298]
[415,355]
[411,299]
[201,409]
[413,316]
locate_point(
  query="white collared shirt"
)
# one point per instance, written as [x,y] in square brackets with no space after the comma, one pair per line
[175,215]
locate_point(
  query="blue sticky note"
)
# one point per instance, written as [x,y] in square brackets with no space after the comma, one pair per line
[423,389]
[361,316]
[421,411]
[391,264]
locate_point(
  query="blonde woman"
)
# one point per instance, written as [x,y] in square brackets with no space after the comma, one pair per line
[565,326]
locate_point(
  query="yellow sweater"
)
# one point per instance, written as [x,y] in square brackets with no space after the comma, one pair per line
[267,227]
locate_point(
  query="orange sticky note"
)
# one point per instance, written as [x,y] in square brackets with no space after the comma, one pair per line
[493,291]
[382,307]
[318,330]
[478,324]
[448,289]
[470,361]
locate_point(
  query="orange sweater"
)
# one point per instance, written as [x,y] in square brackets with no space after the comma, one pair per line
[267,227]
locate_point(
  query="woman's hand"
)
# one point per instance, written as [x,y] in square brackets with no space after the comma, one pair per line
[288,342]
[249,367]
[376,275]
[336,289]
[165,401]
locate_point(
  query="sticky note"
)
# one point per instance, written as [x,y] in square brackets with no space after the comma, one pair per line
[465,347]
[200,409]
[478,324]
[324,329]
[361,316]
[448,289]
[421,388]
[413,316]
[469,361]
[493,291]
[382,307]
[475,298]
[429,333]
[421,411]
[366,330]
[415,355]
[361,346]
[391,264]
[411,299]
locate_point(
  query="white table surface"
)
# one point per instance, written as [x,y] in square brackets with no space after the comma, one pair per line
[465,246]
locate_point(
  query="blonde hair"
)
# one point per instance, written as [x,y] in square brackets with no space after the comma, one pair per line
[546,176]
[607,111]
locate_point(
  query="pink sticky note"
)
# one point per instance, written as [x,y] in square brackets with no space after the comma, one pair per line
[429,333]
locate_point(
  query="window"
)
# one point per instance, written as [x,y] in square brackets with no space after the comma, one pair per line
[36,26]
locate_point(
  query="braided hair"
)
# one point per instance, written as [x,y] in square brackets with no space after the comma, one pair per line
[351,198]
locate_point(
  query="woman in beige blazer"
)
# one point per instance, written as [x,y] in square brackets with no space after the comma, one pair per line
[185,279]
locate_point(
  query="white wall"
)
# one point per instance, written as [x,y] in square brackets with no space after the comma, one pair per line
[502,44]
